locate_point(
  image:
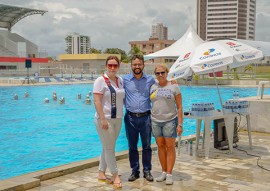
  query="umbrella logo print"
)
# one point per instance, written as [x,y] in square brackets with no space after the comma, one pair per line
[203,66]
[176,75]
[187,55]
[243,57]
[209,51]
[231,43]
[209,54]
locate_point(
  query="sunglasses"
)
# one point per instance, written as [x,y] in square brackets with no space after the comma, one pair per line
[158,73]
[112,65]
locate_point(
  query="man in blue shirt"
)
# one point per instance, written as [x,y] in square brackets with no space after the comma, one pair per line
[137,118]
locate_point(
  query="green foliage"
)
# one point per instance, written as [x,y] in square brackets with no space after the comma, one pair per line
[50,58]
[236,77]
[135,51]
[124,56]
[95,51]
[249,68]
[125,60]
[196,77]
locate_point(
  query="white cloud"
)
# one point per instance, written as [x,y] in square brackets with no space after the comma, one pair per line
[113,23]
[58,17]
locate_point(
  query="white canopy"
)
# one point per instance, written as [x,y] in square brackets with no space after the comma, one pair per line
[190,39]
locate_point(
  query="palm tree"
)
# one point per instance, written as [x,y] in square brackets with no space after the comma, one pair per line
[135,51]
[249,68]
[235,75]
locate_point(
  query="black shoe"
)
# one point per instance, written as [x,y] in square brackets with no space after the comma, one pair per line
[134,176]
[148,176]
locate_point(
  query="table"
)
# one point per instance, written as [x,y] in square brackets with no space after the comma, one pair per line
[229,126]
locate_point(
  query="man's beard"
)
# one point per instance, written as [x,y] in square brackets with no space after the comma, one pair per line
[137,71]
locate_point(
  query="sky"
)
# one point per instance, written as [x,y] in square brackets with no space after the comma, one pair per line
[112,24]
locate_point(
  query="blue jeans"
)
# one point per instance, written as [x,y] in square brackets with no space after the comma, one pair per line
[136,126]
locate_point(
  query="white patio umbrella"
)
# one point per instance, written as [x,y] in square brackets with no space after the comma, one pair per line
[217,55]
[261,45]
[213,56]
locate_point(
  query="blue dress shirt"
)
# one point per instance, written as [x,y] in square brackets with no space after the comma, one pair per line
[137,98]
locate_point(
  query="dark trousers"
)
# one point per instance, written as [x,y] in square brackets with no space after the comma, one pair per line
[136,126]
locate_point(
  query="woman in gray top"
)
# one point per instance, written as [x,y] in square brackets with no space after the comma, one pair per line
[167,119]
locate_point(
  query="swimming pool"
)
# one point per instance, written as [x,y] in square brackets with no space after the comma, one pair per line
[36,136]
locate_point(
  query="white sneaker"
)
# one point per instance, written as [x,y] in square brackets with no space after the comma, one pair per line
[169,179]
[162,177]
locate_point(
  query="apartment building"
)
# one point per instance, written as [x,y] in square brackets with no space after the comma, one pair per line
[151,46]
[157,41]
[159,31]
[77,44]
[226,19]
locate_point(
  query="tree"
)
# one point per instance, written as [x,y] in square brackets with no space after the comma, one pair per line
[50,58]
[95,51]
[249,68]
[135,51]
[236,77]
[124,57]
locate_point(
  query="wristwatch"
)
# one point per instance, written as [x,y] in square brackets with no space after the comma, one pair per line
[180,125]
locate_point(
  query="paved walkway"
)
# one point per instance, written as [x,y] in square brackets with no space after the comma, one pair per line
[192,172]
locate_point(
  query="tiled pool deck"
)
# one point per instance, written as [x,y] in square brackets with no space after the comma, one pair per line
[192,172]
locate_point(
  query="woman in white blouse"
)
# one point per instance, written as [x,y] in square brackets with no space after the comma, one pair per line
[108,98]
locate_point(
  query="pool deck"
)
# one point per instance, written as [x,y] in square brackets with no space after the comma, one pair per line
[222,171]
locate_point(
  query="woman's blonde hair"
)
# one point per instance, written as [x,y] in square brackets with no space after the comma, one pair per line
[164,66]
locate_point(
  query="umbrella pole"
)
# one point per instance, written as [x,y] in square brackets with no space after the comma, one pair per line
[220,99]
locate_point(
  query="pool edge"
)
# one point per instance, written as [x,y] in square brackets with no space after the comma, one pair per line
[32,180]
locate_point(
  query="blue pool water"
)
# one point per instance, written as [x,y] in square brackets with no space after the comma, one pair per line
[36,136]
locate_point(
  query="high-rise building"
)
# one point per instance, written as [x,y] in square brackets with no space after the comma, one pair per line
[159,31]
[157,41]
[226,19]
[77,44]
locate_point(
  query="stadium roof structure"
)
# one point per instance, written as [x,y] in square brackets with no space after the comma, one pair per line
[10,15]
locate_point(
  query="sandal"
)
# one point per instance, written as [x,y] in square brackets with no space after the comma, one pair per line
[117,185]
[107,180]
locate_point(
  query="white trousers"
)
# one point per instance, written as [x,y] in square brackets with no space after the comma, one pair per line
[108,139]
